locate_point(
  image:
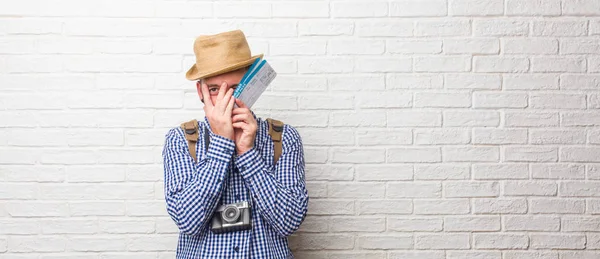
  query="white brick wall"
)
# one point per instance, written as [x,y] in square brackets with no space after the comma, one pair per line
[433,129]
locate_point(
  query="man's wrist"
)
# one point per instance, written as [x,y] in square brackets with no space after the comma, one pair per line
[248,163]
[220,148]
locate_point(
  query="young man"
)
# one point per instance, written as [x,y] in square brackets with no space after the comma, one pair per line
[236,166]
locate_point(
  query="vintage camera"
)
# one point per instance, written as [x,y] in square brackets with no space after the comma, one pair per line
[231,217]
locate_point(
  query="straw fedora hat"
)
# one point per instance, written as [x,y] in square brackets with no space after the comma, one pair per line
[220,53]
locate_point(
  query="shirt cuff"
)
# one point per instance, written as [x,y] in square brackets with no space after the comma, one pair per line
[249,163]
[220,148]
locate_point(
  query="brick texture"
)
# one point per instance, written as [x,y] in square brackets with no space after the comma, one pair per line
[432,129]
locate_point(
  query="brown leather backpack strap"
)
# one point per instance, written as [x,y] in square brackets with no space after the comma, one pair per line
[275,131]
[190,130]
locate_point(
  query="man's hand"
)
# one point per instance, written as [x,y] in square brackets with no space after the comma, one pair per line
[219,114]
[245,127]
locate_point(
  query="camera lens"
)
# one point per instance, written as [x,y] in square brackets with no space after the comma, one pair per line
[230,214]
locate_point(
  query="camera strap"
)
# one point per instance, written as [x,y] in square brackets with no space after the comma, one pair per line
[231,165]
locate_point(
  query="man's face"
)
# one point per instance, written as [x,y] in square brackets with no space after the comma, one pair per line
[232,79]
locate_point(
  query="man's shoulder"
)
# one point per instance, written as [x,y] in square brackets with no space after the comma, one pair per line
[291,133]
[173,135]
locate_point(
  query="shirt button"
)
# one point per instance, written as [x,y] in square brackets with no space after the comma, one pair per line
[236,248]
[243,168]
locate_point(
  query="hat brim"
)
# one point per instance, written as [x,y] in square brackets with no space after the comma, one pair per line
[193,73]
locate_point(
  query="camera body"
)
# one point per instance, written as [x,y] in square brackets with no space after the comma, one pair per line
[231,217]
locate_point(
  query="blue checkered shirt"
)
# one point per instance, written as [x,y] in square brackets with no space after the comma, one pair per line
[193,191]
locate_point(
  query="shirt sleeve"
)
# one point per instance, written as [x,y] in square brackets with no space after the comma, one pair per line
[280,192]
[192,190]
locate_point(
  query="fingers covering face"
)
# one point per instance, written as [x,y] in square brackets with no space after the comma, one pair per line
[206,95]
[222,91]
[229,108]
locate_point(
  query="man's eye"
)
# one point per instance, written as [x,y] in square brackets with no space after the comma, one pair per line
[213,89]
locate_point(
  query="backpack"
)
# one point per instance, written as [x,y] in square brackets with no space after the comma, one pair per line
[190,128]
